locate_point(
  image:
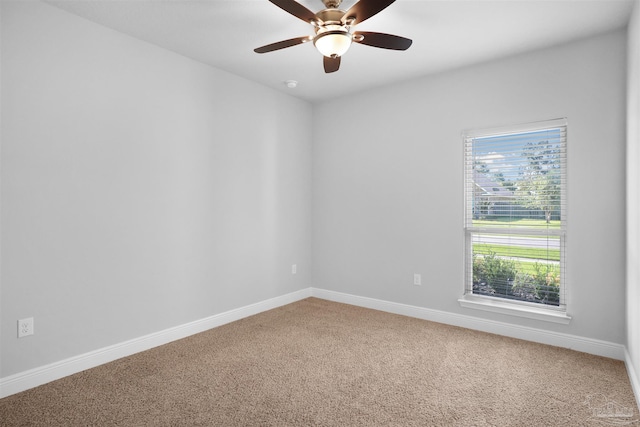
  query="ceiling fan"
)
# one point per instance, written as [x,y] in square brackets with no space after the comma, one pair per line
[334,29]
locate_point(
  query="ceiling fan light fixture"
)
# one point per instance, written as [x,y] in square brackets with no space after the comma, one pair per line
[333,43]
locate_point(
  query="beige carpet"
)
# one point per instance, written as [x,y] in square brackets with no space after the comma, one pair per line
[321,363]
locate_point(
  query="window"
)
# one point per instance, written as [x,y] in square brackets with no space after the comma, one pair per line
[515,217]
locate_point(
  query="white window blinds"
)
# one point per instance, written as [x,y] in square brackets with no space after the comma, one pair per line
[515,213]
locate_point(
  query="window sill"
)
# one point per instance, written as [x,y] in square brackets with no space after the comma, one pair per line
[514,309]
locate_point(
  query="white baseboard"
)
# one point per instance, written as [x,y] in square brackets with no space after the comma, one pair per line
[44,374]
[633,376]
[586,345]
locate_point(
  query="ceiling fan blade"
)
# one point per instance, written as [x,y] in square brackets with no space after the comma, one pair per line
[331,65]
[385,41]
[365,9]
[296,9]
[282,44]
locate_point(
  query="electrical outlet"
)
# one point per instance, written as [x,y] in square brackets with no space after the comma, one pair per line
[417,279]
[294,268]
[25,327]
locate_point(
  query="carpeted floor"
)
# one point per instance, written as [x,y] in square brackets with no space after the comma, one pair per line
[319,363]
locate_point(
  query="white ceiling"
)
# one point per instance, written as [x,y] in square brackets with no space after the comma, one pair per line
[446,34]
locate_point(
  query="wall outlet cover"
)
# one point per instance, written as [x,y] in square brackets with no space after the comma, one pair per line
[25,327]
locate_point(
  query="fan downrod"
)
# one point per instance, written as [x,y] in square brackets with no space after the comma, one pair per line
[331,4]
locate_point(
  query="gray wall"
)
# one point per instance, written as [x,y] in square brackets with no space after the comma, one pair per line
[633,196]
[141,190]
[387,192]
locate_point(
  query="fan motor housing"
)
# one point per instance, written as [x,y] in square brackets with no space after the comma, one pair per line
[331,16]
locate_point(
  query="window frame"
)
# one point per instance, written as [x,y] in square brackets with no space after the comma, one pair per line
[531,310]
